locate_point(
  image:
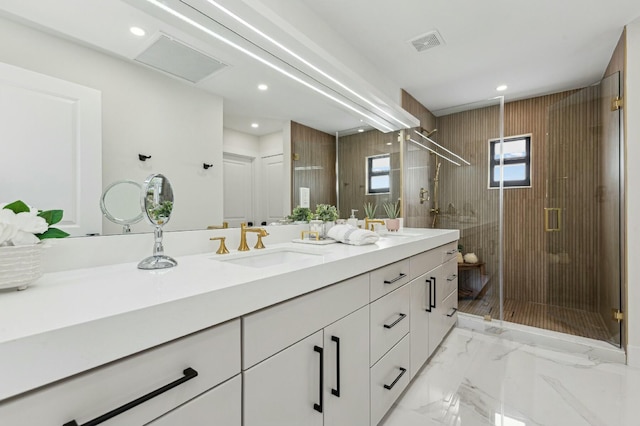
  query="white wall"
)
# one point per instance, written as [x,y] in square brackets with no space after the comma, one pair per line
[632,121]
[143,111]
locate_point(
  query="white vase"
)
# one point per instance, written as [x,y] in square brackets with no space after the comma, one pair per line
[20,265]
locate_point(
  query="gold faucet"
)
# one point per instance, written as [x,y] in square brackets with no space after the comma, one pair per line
[243,237]
[223,248]
[368,222]
[224,225]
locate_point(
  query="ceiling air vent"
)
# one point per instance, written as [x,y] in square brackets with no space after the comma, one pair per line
[427,41]
[178,59]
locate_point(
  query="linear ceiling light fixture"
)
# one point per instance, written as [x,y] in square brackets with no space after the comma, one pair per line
[275,67]
[443,148]
[307,63]
[436,153]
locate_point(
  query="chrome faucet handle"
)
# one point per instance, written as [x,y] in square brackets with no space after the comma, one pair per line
[223,248]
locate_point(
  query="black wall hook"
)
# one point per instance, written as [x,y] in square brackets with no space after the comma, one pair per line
[206,166]
[143,157]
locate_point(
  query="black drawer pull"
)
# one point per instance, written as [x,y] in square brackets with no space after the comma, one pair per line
[402,371]
[399,277]
[452,277]
[428,281]
[453,312]
[189,373]
[393,324]
[452,251]
[336,392]
[318,407]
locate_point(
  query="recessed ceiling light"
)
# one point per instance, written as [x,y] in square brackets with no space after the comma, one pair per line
[361,130]
[262,87]
[501,88]
[255,125]
[137,31]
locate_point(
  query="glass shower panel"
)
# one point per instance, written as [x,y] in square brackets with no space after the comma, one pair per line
[442,191]
[582,215]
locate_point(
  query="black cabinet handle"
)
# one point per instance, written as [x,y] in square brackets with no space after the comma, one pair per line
[393,324]
[433,305]
[452,251]
[428,281]
[452,277]
[189,373]
[399,277]
[402,371]
[453,312]
[318,407]
[336,392]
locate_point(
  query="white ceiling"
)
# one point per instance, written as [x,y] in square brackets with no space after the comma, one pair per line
[535,47]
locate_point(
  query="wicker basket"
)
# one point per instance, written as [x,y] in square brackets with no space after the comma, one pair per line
[20,266]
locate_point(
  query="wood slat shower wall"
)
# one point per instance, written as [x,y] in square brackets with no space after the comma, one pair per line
[353,151]
[313,165]
[526,244]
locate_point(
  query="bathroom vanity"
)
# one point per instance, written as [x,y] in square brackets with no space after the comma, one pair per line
[288,335]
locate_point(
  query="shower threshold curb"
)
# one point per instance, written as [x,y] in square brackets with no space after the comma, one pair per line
[594,350]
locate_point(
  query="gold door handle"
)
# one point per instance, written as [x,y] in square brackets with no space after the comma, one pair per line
[558,226]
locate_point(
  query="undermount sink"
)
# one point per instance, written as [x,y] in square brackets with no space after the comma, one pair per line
[271,257]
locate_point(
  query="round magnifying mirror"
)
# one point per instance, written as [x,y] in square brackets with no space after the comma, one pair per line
[120,203]
[157,204]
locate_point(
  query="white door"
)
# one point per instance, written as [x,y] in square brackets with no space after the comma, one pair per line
[284,390]
[273,188]
[346,359]
[51,147]
[421,293]
[238,189]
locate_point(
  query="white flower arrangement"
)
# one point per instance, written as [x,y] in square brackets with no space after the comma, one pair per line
[22,225]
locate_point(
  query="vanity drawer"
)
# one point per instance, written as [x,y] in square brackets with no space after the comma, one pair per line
[450,277]
[219,406]
[389,321]
[213,353]
[389,377]
[450,310]
[424,262]
[272,329]
[388,278]
[449,251]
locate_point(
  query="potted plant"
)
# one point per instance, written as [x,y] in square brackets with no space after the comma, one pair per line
[324,219]
[370,210]
[301,215]
[21,230]
[393,211]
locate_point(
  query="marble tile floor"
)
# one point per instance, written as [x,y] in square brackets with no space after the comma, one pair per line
[476,379]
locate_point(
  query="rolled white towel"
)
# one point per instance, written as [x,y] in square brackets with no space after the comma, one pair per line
[348,234]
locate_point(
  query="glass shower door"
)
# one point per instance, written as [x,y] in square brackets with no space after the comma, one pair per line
[582,242]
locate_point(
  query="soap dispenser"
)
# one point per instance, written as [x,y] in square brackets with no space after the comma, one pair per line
[353,220]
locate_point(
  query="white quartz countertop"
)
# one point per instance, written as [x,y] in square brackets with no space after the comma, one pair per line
[71,321]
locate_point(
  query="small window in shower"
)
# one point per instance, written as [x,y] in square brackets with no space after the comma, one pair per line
[378,174]
[516,162]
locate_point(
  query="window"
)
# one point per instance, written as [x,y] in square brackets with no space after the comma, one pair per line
[378,170]
[516,162]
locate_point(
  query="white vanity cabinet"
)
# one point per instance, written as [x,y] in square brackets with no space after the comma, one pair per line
[434,301]
[141,387]
[322,378]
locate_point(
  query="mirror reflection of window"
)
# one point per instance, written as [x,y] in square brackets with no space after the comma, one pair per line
[378,174]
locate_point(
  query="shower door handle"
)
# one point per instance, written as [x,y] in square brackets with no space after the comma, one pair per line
[558,225]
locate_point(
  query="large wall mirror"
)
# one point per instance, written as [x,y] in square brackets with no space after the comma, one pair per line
[181,97]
